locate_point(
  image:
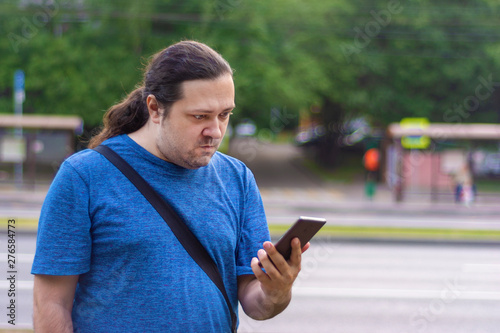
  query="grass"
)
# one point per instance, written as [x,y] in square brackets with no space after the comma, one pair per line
[21,223]
[488,185]
[397,233]
[348,231]
[285,137]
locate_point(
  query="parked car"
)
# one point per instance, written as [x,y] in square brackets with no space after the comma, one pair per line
[246,128]
[491,165]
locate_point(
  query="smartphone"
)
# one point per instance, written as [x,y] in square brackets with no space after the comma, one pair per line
[304,228]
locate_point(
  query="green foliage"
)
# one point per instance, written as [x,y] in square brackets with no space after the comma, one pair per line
[347,57]
[434,56]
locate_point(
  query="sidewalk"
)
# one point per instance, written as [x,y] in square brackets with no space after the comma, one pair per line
[343,196]
[25,204]
[351,197]
[12,195]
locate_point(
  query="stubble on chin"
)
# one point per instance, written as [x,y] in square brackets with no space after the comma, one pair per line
[192,159]
[197,161]
[189,159]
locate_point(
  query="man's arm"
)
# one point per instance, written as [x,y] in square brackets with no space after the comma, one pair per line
[52,303]
[268,293]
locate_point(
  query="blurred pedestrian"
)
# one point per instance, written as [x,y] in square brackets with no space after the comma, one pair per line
[107,262]
[371,163]
[465,190]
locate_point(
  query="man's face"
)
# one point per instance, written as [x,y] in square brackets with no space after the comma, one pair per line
[196,124]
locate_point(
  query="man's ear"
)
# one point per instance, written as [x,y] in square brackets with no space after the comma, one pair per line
[153,109]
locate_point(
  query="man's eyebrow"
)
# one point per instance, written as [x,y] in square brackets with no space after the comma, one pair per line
[210,111]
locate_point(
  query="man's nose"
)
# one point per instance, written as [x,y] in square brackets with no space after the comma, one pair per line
[213,129]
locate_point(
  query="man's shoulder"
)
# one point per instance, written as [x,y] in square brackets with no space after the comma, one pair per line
[83,158]
[90,157]
[222,160]
[82,163]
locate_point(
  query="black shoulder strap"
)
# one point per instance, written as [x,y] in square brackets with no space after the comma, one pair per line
[174,221]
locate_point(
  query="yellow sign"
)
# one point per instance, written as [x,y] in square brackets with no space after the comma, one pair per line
[415,141]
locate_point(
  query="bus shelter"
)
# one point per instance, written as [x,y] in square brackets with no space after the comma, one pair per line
[33,146]
[431,170]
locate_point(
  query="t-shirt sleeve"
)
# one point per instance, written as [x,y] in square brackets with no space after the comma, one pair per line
[64,242]
[254,231]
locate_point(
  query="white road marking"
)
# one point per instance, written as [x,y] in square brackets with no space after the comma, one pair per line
[20,285]
[21,258]
[482,268]
[391,293]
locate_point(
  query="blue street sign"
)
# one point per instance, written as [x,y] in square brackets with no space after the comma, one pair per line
[19,94]
[18,80]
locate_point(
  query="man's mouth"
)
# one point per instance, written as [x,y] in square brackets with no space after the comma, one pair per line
[209,147]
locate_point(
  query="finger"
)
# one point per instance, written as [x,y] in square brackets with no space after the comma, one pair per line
[281,271]
[266,262]
[257,270]
[279,263]
[296,256]
[306,247]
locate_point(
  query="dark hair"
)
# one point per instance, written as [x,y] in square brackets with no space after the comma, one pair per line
[167,69]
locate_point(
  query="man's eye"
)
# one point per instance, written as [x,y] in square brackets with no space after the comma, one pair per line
[225,115]
[199,117]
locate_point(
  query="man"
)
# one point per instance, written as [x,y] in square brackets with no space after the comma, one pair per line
[107,262]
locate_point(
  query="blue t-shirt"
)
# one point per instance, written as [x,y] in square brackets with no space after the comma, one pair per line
[134,274]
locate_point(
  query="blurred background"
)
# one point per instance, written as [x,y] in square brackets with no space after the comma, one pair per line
[381,116]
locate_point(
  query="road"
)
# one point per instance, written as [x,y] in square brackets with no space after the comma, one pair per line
[352,287]
[392,288]
[345,286]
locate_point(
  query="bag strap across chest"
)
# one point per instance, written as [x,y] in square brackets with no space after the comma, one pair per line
[181,231]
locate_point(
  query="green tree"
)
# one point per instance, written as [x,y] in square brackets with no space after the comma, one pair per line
[381,59]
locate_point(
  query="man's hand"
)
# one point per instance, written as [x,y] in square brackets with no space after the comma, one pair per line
[269,292]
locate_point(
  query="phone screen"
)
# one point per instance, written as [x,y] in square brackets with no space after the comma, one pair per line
[304,228]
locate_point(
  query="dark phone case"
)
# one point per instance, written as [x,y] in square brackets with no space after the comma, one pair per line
[305,228]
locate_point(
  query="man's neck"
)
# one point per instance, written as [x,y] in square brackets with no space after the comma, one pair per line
[144,138]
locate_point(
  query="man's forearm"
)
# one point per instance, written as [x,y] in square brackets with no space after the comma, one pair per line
[259,306]
[53,297]
[52,318]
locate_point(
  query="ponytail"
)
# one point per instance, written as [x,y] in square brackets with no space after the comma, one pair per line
[123,118]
